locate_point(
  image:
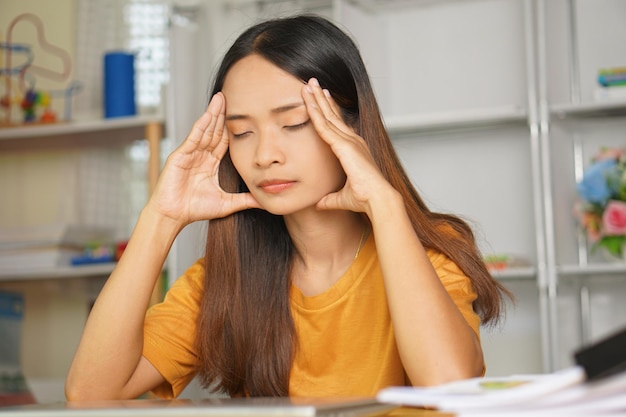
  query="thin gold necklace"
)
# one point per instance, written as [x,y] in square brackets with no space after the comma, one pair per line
[358,249]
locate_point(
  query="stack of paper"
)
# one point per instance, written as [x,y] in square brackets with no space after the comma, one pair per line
[562,393]
[594,387]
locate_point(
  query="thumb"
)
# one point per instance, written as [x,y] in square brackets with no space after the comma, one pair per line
[241,201]
[328,202]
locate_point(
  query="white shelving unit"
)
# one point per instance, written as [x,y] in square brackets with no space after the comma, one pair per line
[574,126]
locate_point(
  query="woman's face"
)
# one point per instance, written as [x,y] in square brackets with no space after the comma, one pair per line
[273,144]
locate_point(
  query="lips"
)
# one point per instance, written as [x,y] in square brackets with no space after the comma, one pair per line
[275,186]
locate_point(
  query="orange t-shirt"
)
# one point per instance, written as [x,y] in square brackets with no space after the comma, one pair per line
[346,344]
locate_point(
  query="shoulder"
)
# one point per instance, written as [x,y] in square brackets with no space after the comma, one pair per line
[458,286]
[187,289]
[451,276]
[192,277]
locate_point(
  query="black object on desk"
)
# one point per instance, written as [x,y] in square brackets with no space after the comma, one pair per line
[603,358]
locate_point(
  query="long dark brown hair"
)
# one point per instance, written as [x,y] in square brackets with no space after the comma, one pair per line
[246,336]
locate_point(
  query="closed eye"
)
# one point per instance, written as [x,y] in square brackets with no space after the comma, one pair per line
[298,126]
[241,135]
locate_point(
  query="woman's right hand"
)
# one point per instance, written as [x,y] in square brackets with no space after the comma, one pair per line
[188,189]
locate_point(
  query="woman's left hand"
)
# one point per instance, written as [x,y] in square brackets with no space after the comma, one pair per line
[364,180]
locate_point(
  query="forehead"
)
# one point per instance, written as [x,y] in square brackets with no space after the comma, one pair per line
[254,84]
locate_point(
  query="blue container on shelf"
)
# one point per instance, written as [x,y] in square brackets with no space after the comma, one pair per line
[119,84]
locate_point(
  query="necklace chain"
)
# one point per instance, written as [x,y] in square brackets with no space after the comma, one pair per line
[358,249]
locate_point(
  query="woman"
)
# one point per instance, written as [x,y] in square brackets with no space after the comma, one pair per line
[325,274]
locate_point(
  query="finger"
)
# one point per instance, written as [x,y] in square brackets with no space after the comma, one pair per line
[321,99]
[330,109]
[221,136]
[197,138]
[333,104]
[324,127]
[328,202]
[197,130]
[212,135]
[239,202]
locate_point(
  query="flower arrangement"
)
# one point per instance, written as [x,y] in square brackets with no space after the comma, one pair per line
[601,210]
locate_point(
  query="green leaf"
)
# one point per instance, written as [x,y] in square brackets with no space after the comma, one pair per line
[613,244]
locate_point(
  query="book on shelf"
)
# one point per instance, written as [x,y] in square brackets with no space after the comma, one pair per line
[13,387]
[595,385]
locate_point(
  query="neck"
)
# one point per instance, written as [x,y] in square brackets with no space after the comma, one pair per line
[326,246]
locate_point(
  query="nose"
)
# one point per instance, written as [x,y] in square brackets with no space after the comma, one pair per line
[268,150]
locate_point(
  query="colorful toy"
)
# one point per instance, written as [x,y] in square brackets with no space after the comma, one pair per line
[610,77]
[20,77]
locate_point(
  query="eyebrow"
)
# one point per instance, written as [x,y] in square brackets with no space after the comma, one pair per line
[280,109]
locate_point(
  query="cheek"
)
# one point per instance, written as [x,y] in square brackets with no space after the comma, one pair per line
[328,167]
[339,175]
[238,158]
[235,157]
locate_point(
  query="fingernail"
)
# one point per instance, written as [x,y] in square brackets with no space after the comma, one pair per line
[315,82]
[308,89]
[326,93]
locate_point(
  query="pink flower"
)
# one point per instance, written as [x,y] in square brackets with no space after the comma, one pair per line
[614,218]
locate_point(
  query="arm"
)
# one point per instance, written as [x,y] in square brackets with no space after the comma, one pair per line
[420,307]
[108,363]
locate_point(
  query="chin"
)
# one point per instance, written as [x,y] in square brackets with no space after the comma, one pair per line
[278,209]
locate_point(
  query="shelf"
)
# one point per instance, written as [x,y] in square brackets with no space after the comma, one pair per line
[592,269]
[373,6]
[457,120]
[592,109]
[378,6]
[82,271]
[515,274]
[81,132]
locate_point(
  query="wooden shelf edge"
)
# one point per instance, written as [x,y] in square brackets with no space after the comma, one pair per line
[86,133]
[76,127]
